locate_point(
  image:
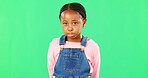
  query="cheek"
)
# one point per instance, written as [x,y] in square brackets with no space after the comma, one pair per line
[78,29]
[64,28]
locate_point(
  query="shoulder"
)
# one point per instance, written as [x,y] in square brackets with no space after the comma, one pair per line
[54,42]
[92,49]
[54,45]
[91,43]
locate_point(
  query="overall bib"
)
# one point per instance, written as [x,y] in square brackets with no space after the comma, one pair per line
[72,62]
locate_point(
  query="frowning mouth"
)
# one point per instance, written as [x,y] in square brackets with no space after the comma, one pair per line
[71,34]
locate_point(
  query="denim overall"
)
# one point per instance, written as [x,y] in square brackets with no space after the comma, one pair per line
[72,62]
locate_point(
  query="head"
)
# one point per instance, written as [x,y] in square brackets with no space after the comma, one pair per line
[73,18]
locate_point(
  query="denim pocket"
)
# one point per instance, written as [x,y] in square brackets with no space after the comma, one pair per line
[71,62]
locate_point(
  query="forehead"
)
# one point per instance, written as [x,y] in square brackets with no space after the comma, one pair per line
[70,14]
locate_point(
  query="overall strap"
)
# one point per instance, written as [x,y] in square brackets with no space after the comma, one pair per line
[62,40]
[84,41]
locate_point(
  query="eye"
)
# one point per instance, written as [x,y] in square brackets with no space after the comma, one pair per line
[64,23]
[75,23]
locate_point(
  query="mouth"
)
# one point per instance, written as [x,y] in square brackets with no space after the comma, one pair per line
[70,34]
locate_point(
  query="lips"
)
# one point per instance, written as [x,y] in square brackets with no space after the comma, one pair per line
[70,34]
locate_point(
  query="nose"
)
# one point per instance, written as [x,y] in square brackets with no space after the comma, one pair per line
[70,28]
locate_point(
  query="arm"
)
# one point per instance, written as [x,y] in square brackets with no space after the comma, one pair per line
[50,59]
[96,61]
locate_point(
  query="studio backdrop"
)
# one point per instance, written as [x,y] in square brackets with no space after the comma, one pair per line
[120,27]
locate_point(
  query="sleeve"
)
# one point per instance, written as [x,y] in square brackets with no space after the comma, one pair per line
[50,59]
[96,61]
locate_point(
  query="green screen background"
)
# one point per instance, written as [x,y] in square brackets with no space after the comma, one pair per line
[120,27]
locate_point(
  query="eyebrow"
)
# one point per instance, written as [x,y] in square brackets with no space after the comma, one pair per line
[75,20]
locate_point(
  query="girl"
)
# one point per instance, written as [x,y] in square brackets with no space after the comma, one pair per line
[72,55]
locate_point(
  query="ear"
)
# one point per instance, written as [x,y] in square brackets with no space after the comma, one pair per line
[84,22]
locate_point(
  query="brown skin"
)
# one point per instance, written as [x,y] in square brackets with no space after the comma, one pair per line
[72,24]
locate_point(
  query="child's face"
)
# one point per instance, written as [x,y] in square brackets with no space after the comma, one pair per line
[72,23]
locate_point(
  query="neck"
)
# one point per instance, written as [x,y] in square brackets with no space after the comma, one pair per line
[76,39]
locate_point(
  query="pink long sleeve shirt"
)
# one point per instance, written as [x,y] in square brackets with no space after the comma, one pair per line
[92,52]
